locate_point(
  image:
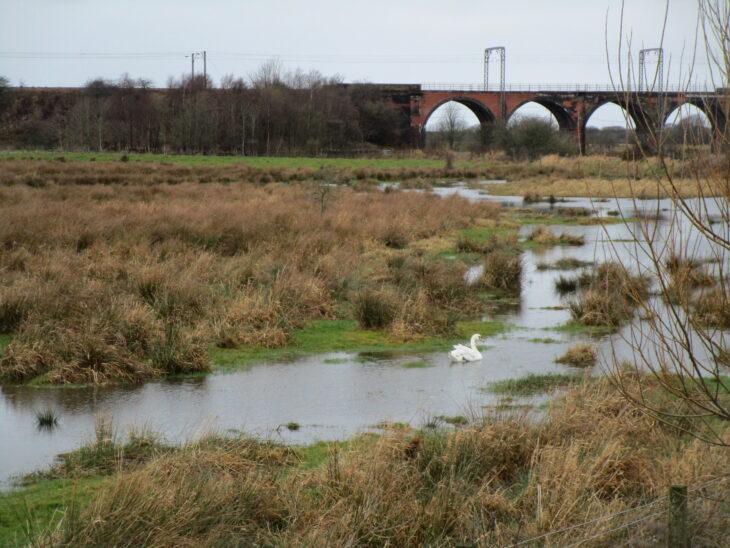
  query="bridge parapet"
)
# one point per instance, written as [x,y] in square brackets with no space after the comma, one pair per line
[612,88]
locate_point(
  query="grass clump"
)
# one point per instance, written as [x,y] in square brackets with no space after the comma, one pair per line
[108,453]
[416,365]
[542,235]
[455,420]
[712,308]
[374,309]
[571,284]
[502,272]
[46,419]
[566,263]
[579,355]
[4,341]
[609,296]
[685,276]
[533,384]
[530,197]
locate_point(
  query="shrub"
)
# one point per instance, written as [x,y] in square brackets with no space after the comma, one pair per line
[374,309]
[531,138]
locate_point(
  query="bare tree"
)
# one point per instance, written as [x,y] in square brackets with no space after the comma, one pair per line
[679,348]
[452,123]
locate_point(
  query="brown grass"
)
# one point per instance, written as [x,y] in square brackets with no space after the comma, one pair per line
[494,483]
[579,355]
[502,272]
[138,277]
[608,296]
[542,235]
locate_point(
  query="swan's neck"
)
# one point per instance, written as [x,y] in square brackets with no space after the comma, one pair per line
[473,343]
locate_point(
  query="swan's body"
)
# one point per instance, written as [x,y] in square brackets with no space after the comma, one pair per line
[462,353]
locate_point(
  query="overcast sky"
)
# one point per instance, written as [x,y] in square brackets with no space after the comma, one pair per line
[59,42]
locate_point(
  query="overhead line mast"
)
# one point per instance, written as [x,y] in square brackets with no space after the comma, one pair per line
[501,52]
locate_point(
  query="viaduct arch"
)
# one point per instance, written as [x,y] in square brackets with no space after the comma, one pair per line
[572,109]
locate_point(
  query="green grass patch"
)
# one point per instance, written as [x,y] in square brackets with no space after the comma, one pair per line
[533,384]
[251,161]
[316,454]
[456,420]
[482,234]
[336,360]
[324,336]
[451,254]
[568,221]
[38,507]
[4,341]
[543,340]
[577,329]
[416,365]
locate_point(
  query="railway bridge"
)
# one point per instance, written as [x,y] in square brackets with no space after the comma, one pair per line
[572,106]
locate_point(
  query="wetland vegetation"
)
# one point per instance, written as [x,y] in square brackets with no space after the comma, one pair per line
[125,280]
[475,481]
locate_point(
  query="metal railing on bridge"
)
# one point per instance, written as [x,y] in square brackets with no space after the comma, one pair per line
[670,88]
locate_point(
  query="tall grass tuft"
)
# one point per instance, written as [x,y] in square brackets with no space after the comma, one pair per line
[579,355]
[542,235]
[46,419]
[502,272]
[609,297]
[375,309]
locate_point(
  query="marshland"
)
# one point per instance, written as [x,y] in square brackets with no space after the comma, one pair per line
[273,337]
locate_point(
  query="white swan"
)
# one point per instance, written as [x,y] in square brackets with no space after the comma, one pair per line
[462,353]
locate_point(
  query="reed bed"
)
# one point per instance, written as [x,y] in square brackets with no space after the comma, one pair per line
[493,482]
[136,278]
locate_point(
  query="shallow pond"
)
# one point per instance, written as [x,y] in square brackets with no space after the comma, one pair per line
[330,396]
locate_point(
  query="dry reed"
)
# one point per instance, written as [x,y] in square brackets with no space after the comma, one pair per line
[137,277]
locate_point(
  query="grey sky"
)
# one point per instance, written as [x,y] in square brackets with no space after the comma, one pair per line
[413,41]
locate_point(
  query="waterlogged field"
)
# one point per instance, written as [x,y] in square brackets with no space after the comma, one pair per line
[182,306]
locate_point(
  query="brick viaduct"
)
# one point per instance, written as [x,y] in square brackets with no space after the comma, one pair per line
[572,109]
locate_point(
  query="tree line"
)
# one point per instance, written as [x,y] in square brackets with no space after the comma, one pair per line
[271,113]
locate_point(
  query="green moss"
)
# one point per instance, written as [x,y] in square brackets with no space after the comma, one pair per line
[533,384]
[324,336]
[38,507]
